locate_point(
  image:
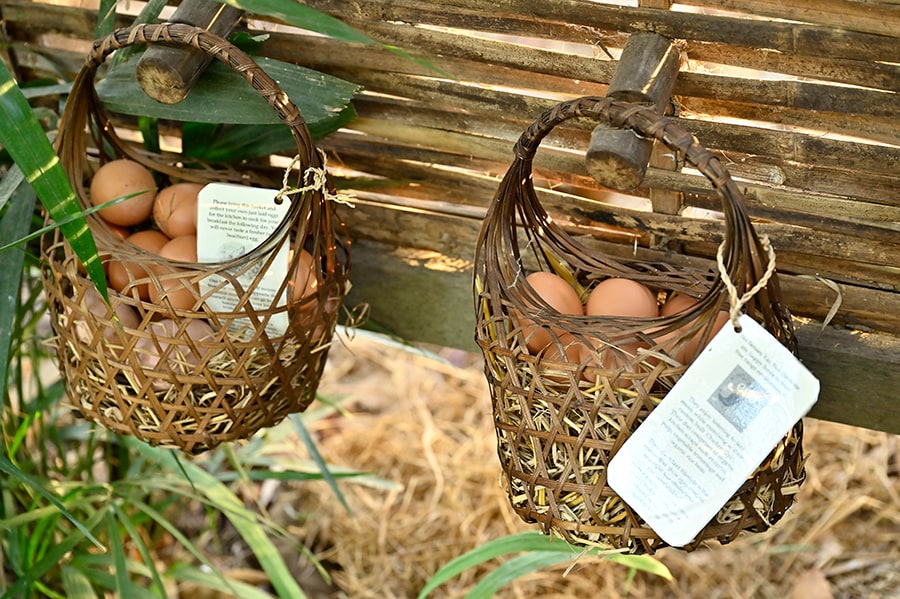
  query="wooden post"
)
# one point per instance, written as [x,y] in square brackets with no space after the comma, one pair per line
[166,73]
[646,74]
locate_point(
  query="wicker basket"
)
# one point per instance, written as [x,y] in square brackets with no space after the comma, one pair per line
[163,383]
[559,420]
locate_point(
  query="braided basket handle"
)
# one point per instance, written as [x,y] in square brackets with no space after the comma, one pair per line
[180,34]
[741,242]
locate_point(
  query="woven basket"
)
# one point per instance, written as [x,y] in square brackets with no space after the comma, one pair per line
[559,420]
[163,383]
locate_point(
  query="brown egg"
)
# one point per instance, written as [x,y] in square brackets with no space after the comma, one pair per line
[610,358]
[561,296]
[120,178]
[121,274]
[92,302]
[179,359]
[621,297]
[175,209]
[698,343]
[688,351]
[305,280]
[677,302]
[181,293]
[569,350]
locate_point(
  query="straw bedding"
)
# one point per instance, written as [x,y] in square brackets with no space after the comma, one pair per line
[425,425]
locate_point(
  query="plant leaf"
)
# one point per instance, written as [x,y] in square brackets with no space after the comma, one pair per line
[76,583]
[14,224]
[233,143]
[300,427]
[302,16]
[117,551]
[223,96]
[26,142]
[244,520]
[515,568]
[129,525]
[535,542]
[106,18]
[214,582]
[12,471]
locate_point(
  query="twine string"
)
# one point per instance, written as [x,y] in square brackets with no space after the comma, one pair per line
[736,302]
[314,178]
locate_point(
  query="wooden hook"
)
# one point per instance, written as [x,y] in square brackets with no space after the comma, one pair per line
[167,73]
[646,73]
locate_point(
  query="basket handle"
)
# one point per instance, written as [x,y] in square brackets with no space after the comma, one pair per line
[181,34]
[741,241]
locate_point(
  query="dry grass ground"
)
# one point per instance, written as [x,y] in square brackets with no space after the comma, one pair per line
[424,423]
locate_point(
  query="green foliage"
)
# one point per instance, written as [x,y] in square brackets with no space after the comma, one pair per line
[537,551]
[24,138]
[83,512]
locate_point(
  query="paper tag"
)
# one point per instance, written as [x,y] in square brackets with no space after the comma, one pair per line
[231,221]
[713,429]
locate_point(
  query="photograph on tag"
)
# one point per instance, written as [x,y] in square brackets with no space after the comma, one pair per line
[739,398]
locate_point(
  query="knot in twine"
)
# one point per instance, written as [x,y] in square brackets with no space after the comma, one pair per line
[736,302]
[314,178]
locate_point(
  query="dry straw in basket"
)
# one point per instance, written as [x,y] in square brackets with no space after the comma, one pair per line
[559,421]
[165,384]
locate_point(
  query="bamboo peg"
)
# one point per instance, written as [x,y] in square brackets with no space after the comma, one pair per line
[167,74]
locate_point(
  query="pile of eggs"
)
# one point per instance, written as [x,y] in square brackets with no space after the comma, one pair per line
[161,222]
[616,297]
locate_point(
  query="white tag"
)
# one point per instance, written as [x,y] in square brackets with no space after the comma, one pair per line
[713,429]
[231,221]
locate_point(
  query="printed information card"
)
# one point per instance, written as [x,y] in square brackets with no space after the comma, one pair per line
[712,430]
[232,220]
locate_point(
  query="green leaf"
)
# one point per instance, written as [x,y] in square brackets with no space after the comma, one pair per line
[223,96]
[245,521]
[215,583]
[117,551]
[10,469]
[59,551]
[106,18]
[46,90]
[76,584]
[26,142]
[300,427]
[302,16]
[233,143]
[540,543]
[515,568]
[14,224]
[128,523]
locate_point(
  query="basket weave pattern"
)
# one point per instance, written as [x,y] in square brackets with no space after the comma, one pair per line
[558,420]
[164,385]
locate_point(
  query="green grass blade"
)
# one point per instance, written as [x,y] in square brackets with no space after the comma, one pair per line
[106,18]
[244,520]
[214,583]
[301,16]
[126,521]
[642,563]
[180,538]
[515,568]
[117,552]
[56,555]
[10,470]
[26,142]
[536,542]
[76,584]
[320,461]
[526,541]
[15,223]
